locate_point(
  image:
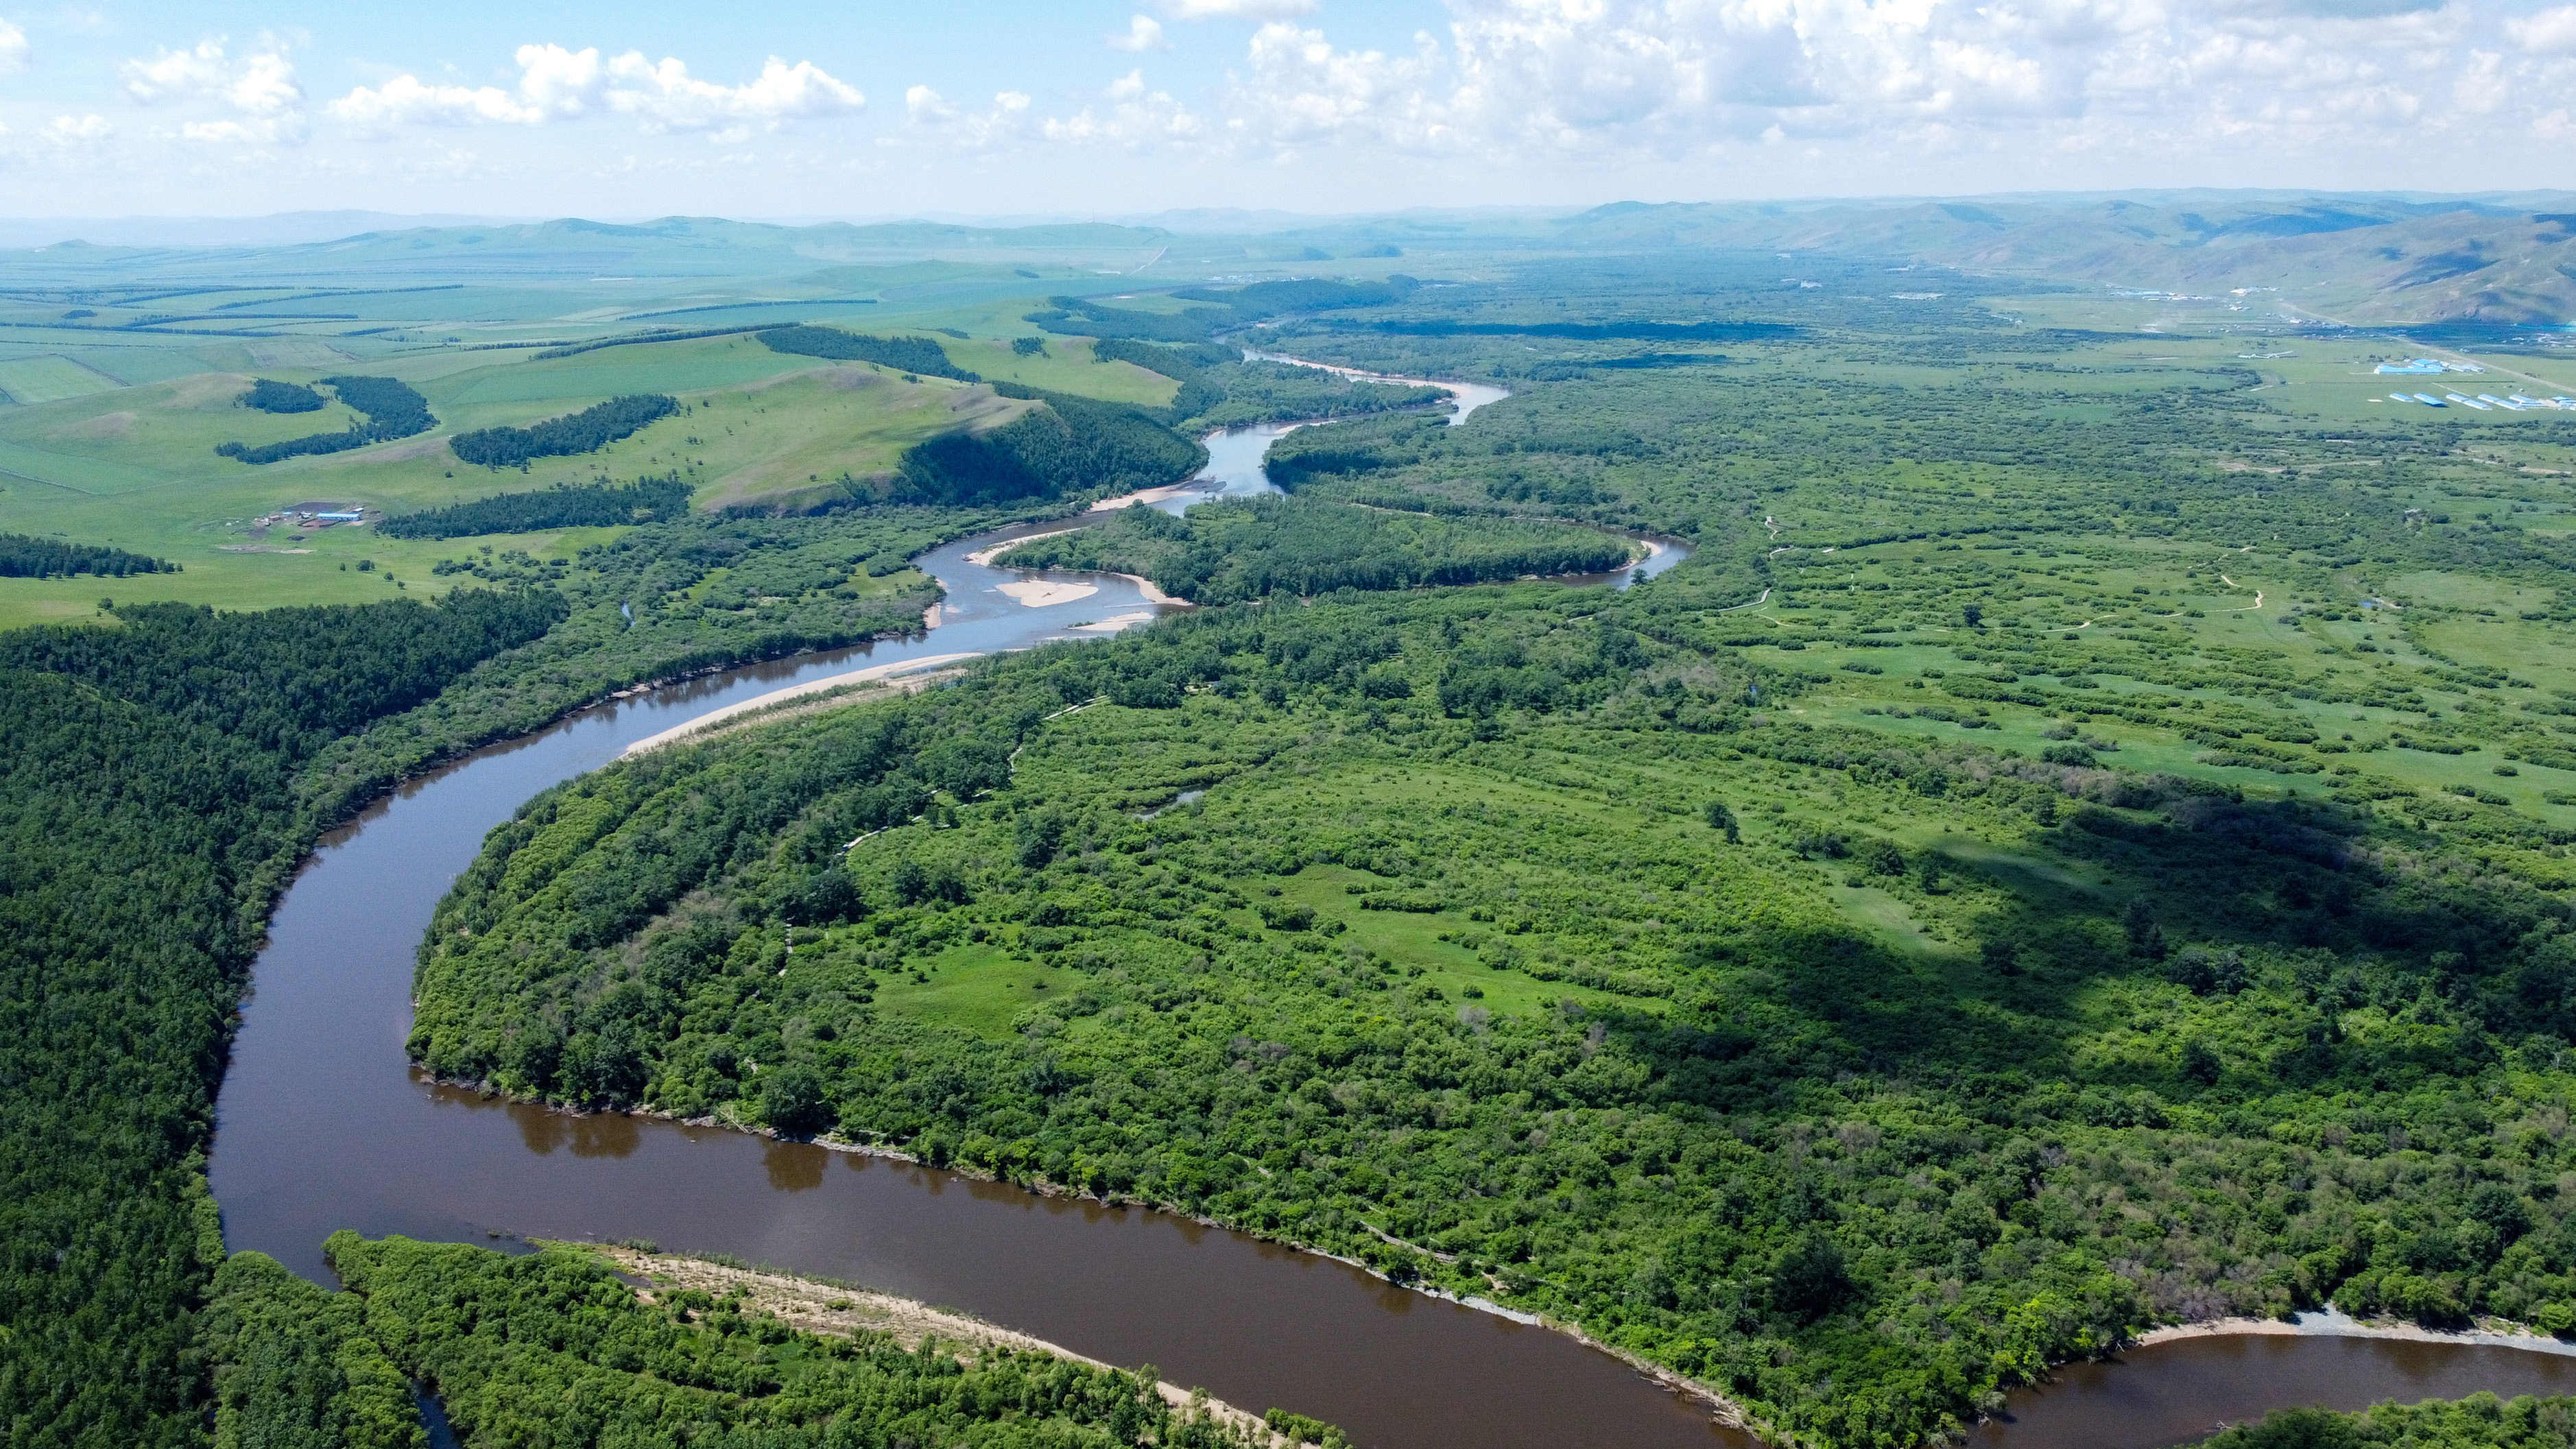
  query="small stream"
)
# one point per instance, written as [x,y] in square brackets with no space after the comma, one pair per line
[322,1124]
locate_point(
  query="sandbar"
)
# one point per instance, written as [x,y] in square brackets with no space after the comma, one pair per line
[1039,593]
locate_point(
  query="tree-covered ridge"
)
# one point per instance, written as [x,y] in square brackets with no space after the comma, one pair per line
[553,1348]
[1069,445]
[149,813]
[1229,551]
[23,557]
[919,355]
[565,505]
[587,431]
[393,409]
[281,397]
[2481,1421]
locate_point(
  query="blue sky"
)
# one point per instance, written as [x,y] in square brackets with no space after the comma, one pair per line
[870,108]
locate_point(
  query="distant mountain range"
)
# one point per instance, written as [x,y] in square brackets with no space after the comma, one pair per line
[2374,259]
[2362,259]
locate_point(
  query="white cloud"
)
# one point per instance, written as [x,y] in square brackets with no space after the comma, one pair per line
[13,46]
[1678,78]
[265,105]
[1236,9]
[2550,32]
[1143,33]
[928,113]
[76,132]
[556,84]
[1135,115]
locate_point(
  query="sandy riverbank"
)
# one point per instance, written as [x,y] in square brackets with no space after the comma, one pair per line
[794,691]
[982,558]
[2329,1323]
[834,1309]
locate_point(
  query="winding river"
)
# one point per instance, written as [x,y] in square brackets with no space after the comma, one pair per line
[322,1125]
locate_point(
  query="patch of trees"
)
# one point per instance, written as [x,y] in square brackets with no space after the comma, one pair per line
[25,557]
[919,355]
[149,804]
[557,1343]
[281,397]
[586,431]
[1068,445]
[2481,1421]
[1226,552]
[565,505]
[393,410]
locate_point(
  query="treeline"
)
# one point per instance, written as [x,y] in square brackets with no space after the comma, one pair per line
[281,397]
[150,816]
[586,431]
[25,557]
[555,1346]
[1069,445]
[919,355]
[565,505]
[393,410]
[2480,1421]
[1227,552]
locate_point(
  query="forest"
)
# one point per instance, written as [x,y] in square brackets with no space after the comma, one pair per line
[1070,445]
[586,431]
[565,505]
[23,557]
[921,356]
[2481,1421]
[270,396]
[393,409]
[1227,552]
[150,810]
[552,1348]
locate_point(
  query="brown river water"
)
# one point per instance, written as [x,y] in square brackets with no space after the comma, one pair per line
[322,1125]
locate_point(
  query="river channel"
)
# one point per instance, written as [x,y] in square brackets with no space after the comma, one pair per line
[322,1124]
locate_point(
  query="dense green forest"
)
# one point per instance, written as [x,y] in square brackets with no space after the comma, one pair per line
[565,505]
[393,410]
[554,1349]
[22,557]
[281,397]
[167,774]
[2479,1422]
[1858,1189]
[587,431]
[1069,445]
[1229,551]
[919,355]
[150,814]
